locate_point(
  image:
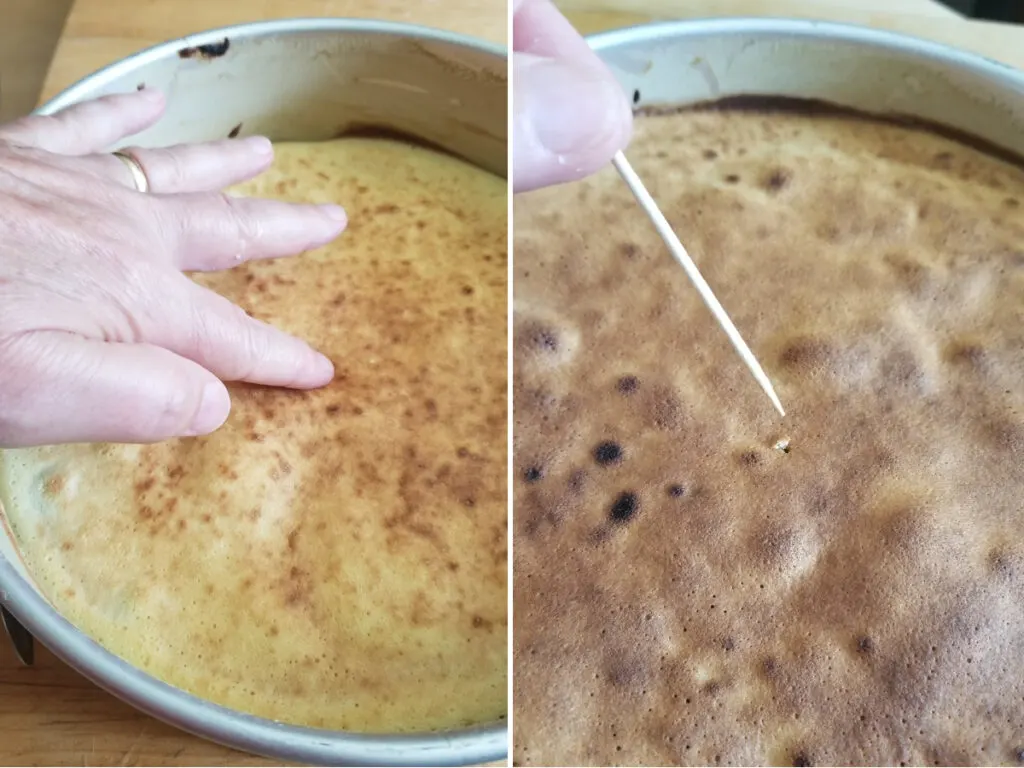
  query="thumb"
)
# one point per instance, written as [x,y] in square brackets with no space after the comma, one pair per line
[569,120]
[56,387]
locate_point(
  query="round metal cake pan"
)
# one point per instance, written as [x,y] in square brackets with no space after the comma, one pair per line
[303,80]
[687,62]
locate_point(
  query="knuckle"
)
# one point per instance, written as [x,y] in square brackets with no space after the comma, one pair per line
[21,131]
[224,331]
[172,171]
[252,343]
[244,227]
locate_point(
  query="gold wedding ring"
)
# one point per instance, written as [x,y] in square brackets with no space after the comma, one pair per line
[138,174]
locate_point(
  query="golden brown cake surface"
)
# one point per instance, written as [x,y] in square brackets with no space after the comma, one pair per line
[335,558]
[700,582]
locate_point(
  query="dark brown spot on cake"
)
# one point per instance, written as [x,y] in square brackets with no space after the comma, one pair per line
[777,180]
[806,354]
[607,453]
[544,339]
[966,354]
[624,508]
[749,458]
[1000,564]
[533,474]
[627,385]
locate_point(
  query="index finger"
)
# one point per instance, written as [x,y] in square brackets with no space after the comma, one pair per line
[88,126]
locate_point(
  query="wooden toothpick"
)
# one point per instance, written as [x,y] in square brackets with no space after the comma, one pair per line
[661,224]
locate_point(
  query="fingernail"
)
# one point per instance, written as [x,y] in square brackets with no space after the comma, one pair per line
[573,109]
[334,212]
[324,367]
[259,145]
[213,410]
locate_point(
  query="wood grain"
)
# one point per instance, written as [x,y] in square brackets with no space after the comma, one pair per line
[51,715]
[29,30]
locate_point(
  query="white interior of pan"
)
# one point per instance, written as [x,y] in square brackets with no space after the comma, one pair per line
[304,80]
[685,62]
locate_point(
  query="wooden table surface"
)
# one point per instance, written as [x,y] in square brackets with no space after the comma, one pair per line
[49,715]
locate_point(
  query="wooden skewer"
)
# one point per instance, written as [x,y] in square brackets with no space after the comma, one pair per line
[661,224]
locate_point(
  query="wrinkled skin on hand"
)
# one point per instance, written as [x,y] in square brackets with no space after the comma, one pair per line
[102,336]
[569,113]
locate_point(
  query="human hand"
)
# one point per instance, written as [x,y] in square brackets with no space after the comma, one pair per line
[570,114]
[102,338]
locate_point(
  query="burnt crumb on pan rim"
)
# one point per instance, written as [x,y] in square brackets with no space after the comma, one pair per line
[207,52]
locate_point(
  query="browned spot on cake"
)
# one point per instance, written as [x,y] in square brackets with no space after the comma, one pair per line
[910,273]
[967,354]
[749,458]
[54,484]
[627,385]
[777,180]
[806,354]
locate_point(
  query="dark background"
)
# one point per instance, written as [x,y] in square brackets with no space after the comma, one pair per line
[996,10]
